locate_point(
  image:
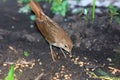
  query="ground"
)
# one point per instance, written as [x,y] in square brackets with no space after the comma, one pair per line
[96,46]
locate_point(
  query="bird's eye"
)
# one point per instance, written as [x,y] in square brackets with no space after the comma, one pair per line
[65,46]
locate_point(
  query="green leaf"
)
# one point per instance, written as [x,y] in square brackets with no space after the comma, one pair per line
[103,73]
[26,9]
[93,10]
[113,10]
[26,54]
[32,17]
[11,73]
[60,7]
[86,10]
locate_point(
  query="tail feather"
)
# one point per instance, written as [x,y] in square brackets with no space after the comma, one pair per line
[36,8]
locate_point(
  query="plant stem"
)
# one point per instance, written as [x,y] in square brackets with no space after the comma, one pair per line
[93,10]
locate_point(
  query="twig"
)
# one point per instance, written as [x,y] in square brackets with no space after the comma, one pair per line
[39,76]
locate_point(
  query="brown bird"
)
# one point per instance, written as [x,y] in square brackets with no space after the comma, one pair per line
[52,32]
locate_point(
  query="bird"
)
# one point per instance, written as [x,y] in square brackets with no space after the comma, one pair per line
[51,31]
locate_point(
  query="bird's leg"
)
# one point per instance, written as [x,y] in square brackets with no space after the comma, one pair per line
[63,52]
[52,53]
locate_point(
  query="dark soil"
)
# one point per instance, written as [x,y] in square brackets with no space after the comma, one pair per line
[96,46]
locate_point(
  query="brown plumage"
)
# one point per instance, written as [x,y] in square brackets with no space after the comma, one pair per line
[52,32]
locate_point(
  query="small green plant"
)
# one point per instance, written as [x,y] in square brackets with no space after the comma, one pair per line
[11,73]
[113,12]
[93,10]
[26,53]
[26,9]
[58,6]
[81,11]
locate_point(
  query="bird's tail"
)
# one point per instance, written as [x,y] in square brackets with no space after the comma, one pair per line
[36,8]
